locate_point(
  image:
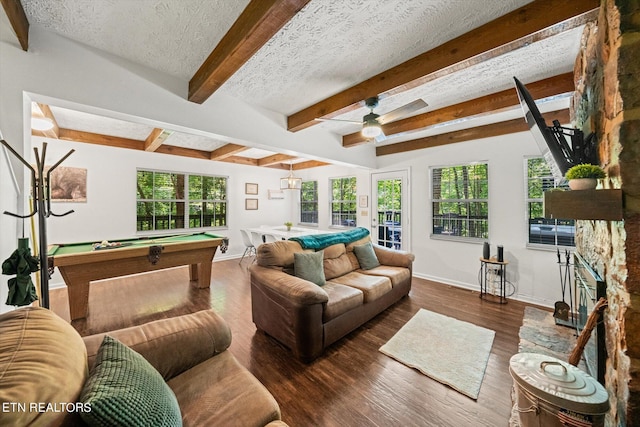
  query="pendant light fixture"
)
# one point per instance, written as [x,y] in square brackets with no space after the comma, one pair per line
[290,182]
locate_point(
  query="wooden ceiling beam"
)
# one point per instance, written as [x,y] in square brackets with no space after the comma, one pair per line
[282,166]
[255,26]
[241,160]
[184,152]
[490,103]
[99,139]
[486,131]
[224,153]
[309,164]
[275,158]
[533,22]
[132,144]
[226,150]
[18,20]
[156,138]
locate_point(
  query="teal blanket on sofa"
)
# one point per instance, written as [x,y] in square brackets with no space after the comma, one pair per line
[321,241]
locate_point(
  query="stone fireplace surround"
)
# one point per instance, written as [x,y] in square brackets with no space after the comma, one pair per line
[607,102]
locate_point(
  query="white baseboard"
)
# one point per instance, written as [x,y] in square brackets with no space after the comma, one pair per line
[475,287]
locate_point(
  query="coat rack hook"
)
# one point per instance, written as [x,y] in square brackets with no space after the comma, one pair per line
[42,206]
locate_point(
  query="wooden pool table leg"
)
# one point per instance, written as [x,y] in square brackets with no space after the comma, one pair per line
[78,299]
[77,280]
[200,274]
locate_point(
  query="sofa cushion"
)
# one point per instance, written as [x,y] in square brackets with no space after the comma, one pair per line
[337,267]
[123,389]
[308,266]
[341,299]
[278,254]
[349,246]
[396,274]
[42,360]
[221,392]
[336,261]
[366,256]
[372,286]
[334,251]
[171,345]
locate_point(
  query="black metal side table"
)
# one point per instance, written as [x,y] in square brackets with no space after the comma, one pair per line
[497,270]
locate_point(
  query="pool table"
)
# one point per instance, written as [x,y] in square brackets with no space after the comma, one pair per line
[81,263]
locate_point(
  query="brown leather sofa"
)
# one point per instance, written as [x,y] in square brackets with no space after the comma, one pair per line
[306,317]
[44,362]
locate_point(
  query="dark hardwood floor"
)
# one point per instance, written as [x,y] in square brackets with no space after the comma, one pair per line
[352,384]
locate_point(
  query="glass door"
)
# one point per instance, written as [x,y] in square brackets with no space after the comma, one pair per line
[390,208]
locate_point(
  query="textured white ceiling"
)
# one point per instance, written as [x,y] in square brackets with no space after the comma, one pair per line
[333,44]
[172,36]
[327,47]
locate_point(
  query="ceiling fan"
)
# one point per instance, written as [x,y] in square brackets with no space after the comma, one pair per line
[372,122]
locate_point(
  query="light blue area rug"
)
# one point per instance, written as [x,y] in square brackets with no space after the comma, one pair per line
[448,350]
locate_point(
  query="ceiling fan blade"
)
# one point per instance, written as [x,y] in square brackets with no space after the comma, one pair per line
[400,112]
[338,120]
[380,137]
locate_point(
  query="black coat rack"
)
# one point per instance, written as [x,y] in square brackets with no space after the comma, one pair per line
[42,207]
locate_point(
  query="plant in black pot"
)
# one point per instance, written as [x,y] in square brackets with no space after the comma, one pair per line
[584,176]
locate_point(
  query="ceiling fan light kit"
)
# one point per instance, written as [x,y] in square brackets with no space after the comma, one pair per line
[372,122]
[370,126]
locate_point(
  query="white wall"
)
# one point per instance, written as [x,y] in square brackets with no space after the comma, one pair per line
[323,175]
[68,74]
[8,232]
[110,210]
[534,272]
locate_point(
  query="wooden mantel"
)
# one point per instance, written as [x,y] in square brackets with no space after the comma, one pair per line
[605,204]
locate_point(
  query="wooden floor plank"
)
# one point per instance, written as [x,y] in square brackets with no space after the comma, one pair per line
[352,384]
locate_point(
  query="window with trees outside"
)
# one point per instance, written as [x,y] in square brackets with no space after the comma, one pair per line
[460,201]
[544,231]
[309,202]
[169,201]
[343,201]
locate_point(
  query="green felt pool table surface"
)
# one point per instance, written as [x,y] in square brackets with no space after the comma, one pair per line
[78,248]
[79,263]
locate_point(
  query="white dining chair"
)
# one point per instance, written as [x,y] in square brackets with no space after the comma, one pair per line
[268,238]
[249,247]
[257,238]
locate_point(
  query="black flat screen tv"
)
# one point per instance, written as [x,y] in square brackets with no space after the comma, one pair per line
[559,154]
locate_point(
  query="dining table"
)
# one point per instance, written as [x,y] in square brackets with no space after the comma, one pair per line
[283,233]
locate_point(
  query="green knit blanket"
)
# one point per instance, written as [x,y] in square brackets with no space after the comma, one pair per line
[321,241]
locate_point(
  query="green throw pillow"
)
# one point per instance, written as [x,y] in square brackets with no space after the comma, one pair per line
[310,266]
[366,256]
[123,389]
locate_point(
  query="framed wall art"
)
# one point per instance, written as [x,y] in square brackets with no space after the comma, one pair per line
[251,204]
[68,184]
[250,188]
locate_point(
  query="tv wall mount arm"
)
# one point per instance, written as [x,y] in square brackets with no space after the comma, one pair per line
[582,150]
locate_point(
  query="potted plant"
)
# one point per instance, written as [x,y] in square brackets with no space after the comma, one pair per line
[584,176]
[288,224]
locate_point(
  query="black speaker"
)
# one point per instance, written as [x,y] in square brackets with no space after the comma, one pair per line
[486,250]
[500,253]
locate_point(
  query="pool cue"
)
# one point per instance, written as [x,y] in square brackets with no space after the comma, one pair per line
[146,241]
[35,250]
